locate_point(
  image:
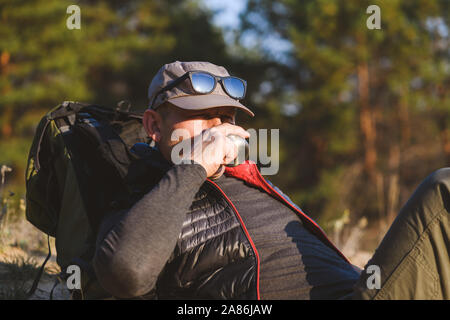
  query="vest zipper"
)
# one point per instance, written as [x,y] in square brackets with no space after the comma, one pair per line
[245,232]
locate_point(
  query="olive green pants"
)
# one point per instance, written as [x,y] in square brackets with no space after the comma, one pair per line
[413,258]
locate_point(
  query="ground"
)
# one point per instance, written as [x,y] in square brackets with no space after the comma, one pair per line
[23,248]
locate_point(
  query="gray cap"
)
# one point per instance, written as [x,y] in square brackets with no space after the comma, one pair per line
[182,95]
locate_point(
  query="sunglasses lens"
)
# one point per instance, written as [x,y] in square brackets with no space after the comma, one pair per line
[235,87]
[202,82]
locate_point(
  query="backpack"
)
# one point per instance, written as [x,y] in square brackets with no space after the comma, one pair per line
[76,174]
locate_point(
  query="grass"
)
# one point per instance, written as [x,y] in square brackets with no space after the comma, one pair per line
[16,277]
[22,247]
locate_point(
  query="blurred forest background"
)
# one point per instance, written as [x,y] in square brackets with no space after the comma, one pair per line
[364,115]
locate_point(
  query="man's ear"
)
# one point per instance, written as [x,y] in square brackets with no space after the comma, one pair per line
[152,122]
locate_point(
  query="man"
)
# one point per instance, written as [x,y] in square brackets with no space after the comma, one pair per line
[208,231]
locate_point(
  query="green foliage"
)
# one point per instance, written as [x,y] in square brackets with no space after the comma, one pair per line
[408,75]
[15,277]
[115,49]
[111,58]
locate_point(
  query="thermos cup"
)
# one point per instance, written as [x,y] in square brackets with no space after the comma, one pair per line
[242,147]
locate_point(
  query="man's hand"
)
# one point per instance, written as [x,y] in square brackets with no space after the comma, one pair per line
[213,149]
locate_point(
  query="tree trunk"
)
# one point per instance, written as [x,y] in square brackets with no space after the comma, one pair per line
[6,114]
[445,140]
[366,120]
[6,128]
[405,124]
[393,180]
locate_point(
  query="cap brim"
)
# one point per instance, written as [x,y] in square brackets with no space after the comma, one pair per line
[206,101]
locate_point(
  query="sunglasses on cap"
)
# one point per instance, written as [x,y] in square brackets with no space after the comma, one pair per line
[203,82]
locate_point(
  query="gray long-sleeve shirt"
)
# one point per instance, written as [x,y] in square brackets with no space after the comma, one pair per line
[134,245]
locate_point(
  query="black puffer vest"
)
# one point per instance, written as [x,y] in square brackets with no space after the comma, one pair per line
[215,257]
